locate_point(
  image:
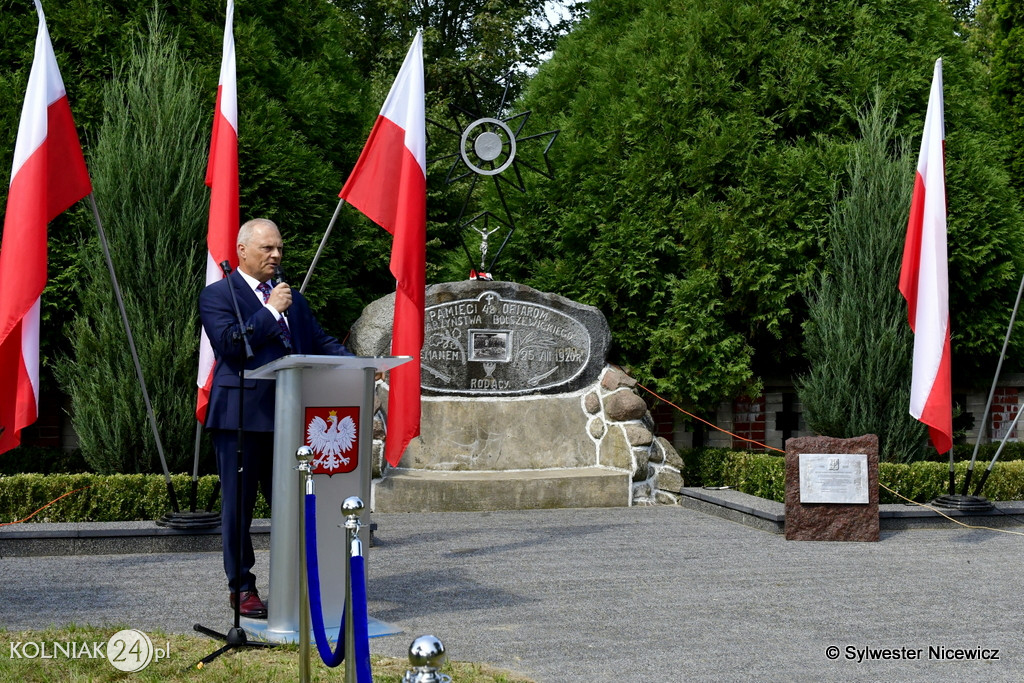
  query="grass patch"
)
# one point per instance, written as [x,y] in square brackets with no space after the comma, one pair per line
[279,663]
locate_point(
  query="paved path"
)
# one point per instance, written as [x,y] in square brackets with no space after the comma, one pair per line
[659,594]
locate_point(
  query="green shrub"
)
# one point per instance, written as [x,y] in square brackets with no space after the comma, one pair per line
[764,475]
[864,388]
[963,451]
[147,165]
[101,498]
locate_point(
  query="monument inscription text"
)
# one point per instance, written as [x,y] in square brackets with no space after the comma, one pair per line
[495,345]
[833,478]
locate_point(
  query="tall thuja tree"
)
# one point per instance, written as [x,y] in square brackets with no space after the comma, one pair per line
[148,164]
[1008,77]
[856,338]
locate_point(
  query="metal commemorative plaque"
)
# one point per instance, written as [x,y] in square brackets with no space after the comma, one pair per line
[833,478]
[490,344]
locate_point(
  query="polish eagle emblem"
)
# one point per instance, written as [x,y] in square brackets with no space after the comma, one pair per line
[330,440]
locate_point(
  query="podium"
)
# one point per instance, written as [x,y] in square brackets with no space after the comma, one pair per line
[337,390]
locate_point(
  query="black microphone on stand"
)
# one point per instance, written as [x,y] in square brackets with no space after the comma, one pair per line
[279,276]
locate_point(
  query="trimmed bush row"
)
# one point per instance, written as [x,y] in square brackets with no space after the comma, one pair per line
[763,475]
[128,497]
[102,498]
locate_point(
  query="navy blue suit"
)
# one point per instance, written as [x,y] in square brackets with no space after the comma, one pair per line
[221,324]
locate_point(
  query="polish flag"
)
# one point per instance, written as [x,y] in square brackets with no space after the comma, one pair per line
[47,177]
[222,178]
[924,281]
[389,185]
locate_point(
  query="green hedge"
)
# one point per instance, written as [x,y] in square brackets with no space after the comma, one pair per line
[763,475]
[125,497]
[102,498]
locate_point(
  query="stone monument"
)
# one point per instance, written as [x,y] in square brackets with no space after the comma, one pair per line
[519,409]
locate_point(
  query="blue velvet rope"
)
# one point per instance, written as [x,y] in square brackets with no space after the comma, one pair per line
[359,609]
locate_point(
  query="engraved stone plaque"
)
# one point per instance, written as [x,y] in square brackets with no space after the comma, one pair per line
[494,338]
[831,479]
[500,346]
[834,478]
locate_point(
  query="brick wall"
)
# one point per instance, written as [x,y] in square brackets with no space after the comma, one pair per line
[1004,410]
[664,420]
[748,421]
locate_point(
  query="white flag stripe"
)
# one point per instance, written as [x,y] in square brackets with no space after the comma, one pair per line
[408,113]
[932,307]
[44,88]
[30,346]
[228,86]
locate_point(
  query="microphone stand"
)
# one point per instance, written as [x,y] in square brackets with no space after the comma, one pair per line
[235,637]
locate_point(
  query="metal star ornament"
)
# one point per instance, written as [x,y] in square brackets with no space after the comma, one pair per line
[491,145]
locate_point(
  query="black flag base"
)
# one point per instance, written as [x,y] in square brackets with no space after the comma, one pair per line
[192,521]
[965,503]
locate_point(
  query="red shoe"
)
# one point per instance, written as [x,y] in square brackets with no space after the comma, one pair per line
[251,605]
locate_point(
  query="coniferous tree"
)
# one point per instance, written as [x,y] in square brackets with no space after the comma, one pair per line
[856,338]
[147,166]
[1008,78]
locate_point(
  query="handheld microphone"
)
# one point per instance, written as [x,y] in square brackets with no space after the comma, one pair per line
[279,276]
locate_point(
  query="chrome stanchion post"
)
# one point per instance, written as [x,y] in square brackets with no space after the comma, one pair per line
[351,508]
[305,467]
[426,655]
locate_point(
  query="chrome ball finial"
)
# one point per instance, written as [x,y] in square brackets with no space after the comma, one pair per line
[353,505]
[426,651]
[304,454]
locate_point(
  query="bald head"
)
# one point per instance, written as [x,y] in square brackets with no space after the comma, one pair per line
[259,248]
[246,231]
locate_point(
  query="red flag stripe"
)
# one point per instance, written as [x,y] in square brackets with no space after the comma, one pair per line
[222,178]
[924,279]
[938,407]
[912,250]
[403,206]
[48,176]
[388,184]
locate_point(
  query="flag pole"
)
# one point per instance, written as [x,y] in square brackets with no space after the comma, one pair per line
[320,249]
[984,476]
[131,346]
[988,405]
[952,474]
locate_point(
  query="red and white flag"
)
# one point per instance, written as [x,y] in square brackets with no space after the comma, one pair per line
[389,185]
[47,177]
[924,280]
[222,178]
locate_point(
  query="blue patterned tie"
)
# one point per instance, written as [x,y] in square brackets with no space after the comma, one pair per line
[264,289]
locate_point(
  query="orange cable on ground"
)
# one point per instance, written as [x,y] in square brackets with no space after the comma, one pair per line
[45,506]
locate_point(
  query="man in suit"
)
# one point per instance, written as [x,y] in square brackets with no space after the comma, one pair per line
[280,323]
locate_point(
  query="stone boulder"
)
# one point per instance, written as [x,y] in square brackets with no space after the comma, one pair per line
[519,407]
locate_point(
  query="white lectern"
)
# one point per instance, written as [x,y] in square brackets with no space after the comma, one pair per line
[339,391]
